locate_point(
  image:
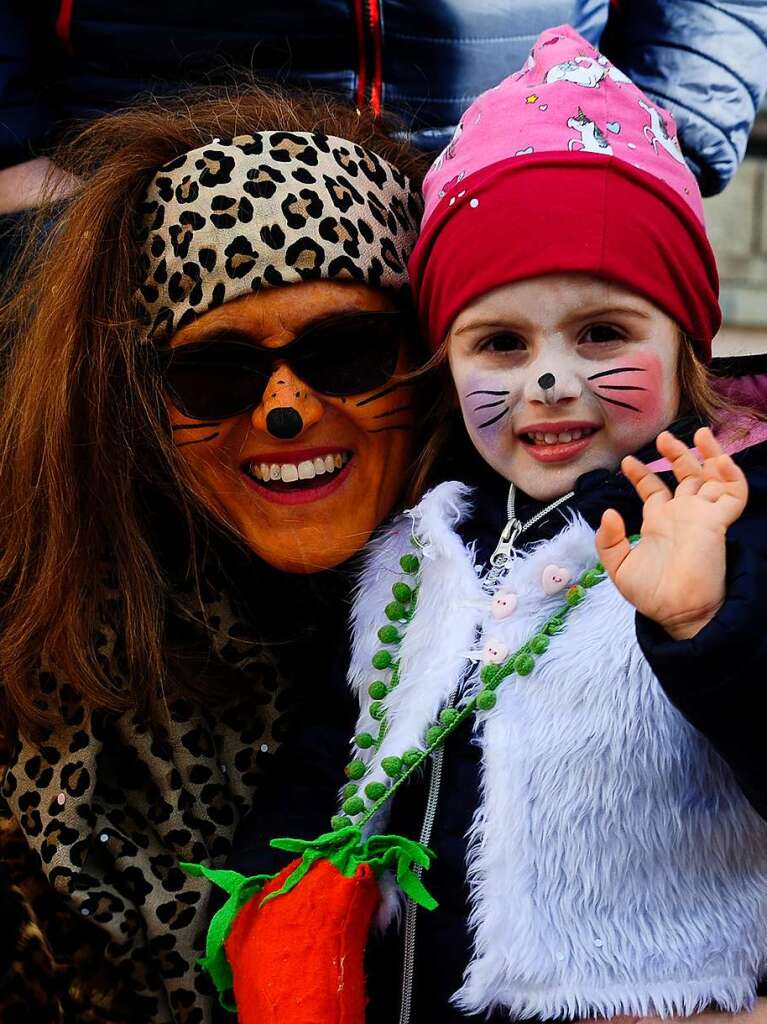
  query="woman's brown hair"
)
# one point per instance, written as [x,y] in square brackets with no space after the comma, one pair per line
[83,428]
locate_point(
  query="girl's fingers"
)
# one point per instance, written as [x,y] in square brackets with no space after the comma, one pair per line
[612,542]
[684,463]
[706,443]
[646,483]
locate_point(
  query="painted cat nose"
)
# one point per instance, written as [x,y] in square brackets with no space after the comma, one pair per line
[284,423]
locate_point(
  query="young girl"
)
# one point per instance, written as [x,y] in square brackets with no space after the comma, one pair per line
[613,864]
[589,738]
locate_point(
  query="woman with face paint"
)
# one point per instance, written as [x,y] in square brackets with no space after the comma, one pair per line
[558,655]
[203,419]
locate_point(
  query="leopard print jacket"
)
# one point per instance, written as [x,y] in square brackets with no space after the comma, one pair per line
[93,823]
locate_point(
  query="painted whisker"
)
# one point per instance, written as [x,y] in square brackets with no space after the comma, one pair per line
[490,405]
[614,401]
[620,387]
[392,412]
[494,419]
[202,425]
[392,426]
[618,369]
[385,392]
[197,440]
[486,393]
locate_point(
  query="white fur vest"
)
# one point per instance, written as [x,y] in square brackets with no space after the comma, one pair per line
[615,866]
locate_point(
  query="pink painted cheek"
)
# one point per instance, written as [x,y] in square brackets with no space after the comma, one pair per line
[631,392]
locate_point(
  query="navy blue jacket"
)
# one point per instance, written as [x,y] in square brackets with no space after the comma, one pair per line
[65,60]
[717,680]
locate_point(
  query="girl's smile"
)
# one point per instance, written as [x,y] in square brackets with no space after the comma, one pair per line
[562,374]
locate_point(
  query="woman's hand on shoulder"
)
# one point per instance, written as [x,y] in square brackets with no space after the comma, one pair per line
[676,574]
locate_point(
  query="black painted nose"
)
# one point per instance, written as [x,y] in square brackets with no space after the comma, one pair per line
[546,381]
[284,423]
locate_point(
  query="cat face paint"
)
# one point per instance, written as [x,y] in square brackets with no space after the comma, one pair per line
[303,477]
[612,356]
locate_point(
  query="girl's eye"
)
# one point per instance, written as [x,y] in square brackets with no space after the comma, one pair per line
[602,333]
[503,343]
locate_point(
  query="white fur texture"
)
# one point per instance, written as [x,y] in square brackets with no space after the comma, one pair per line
[615,866]
[431,662]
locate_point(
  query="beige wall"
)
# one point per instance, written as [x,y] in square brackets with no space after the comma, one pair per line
[737,225]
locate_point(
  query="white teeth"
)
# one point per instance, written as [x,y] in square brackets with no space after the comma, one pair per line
[564,437]
[290,472]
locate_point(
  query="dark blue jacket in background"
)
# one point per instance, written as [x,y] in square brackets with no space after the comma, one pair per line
[67,60]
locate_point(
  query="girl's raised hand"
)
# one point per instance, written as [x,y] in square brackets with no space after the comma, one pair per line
[676,574]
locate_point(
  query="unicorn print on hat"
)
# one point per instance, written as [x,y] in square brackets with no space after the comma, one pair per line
[592,138]
[657,133]
[585,71]
[549,107]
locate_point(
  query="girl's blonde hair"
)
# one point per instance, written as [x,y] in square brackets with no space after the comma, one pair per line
[698,396]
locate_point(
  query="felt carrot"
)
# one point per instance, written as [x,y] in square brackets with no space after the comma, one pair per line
[291,947]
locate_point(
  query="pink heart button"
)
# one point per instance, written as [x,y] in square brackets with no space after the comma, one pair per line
[555,578]
[503,604]
[494,652]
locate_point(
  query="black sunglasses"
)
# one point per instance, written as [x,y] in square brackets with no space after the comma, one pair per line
[341,356]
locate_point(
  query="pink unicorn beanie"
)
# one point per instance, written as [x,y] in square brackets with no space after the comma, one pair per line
[565,166]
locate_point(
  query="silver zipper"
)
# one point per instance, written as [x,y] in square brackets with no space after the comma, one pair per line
[408,960]
[504,550]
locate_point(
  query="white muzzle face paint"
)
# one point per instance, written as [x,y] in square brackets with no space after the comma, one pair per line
[562,374]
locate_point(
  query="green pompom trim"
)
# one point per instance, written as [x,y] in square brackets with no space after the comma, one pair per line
[395,611]
[355,770]
[364,740]
[392,766]
[353,805]
[486,700]
[524,664]
[448,715]
[575,595]
[402,593]
[375,790]
[389,635]
[490,675]
[350,789]
[377,710]
[554,625]
[409,564]
[433,735]
[540,643]
[381,660]
[339,821]
[378,689]
[411,757]
[591,577]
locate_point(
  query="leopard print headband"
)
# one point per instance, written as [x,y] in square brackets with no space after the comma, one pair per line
[268,209]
